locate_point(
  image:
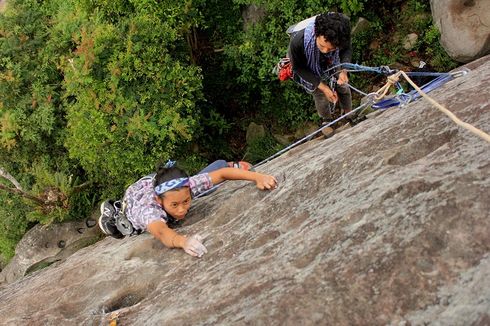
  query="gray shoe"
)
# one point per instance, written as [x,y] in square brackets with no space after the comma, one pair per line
[327,131]
[107,220]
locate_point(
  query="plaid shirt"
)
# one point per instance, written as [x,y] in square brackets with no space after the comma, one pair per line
[141,208]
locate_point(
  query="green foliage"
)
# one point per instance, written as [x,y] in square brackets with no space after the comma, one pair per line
[108,83]
[47,179]
[56,214]
[439,59]
[382,43]
[192,163]
[418,6]
[261,148]
[31,114]
[215,121]
[94,92]
[130,98]
[29,85]
[13,223]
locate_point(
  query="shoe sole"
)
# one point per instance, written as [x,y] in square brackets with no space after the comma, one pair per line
[243,166]
[328,132]
[100,219]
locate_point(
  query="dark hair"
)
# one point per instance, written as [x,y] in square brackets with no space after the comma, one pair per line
[335,27]
[166,174]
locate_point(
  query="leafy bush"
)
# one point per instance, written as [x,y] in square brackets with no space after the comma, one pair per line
[261,148]
[130,98]
[255,51]
[92,93]
[438,57]
[108,83]
[30,87]
[13,223]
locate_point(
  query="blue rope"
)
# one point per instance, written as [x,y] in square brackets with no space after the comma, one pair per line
[357,90]
[421,73]
[413,95]
[353,67]
[284,150]
[382,70]
[401,99]
[308,137]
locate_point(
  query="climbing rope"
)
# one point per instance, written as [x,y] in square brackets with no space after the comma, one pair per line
[372,98]
[452,116]
[311,135]
[302,140]
[392,80]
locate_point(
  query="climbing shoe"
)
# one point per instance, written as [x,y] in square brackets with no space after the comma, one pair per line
[107,219]
[355,118]
[243,165]
[327,131]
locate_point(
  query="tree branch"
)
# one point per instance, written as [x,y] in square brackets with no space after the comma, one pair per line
[23,194]
[82,186]
[10,178]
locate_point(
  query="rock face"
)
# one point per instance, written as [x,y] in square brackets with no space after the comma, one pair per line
[254,132]
[361,25]
[386,223]
[44,245]
[252,14]
[464,26]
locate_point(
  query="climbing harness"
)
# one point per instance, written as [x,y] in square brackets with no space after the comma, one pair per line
[284,69]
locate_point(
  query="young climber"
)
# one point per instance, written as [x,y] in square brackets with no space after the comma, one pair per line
[316,46]
[163,198]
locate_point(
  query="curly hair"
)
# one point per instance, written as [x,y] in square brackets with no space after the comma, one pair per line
[335,27]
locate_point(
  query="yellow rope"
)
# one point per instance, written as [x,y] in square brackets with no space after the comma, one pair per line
[394,78]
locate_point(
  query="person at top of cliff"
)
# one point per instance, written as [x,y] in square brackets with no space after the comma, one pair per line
[163,198]
[316,47]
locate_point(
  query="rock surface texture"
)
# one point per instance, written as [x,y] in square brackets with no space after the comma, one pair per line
[386,223]
[44,245]
[464,26]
